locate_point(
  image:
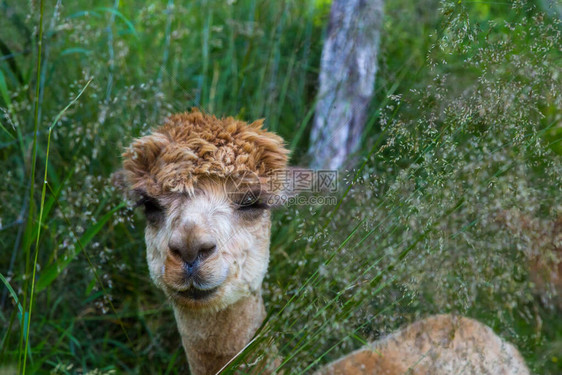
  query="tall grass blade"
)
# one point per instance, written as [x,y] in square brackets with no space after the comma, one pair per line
[40,221]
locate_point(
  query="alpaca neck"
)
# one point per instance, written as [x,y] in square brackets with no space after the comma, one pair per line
[212,339]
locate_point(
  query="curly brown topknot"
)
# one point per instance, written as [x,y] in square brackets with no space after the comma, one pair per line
[193,145]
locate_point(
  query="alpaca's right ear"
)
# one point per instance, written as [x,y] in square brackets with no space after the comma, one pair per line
[119,181]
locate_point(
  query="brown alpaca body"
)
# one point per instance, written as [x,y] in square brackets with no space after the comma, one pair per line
[438,345]
[208,251]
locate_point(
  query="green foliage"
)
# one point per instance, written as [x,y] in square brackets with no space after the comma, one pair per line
[465,126]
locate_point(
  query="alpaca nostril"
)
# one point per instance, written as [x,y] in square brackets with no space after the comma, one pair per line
[175,249]
[206,249]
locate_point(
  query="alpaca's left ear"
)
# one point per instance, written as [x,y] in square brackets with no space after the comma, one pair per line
[121,184]
[119,181]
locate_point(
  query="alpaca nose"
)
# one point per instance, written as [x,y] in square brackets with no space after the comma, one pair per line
[192,251]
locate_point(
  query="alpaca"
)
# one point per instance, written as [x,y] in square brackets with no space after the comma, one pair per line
[440,344]
[205,185]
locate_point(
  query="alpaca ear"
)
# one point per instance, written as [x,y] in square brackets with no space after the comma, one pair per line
[119,181]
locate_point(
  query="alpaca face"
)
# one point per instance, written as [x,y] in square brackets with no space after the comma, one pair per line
[207,249]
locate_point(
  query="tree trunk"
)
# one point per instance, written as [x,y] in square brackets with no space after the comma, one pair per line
[347,80]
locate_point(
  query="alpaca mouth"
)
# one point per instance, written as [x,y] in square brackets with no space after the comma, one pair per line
[197,294]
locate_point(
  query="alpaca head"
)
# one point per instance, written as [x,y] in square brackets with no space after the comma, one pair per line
[204,184]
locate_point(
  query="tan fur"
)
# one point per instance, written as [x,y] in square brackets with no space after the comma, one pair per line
[211,340]
[193,145]
[441,344]
[185,167]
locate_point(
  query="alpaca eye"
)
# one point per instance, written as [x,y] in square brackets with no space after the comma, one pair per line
[153,211]
[250,201]
[252,206]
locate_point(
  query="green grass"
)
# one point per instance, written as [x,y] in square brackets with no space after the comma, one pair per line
[465,124]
